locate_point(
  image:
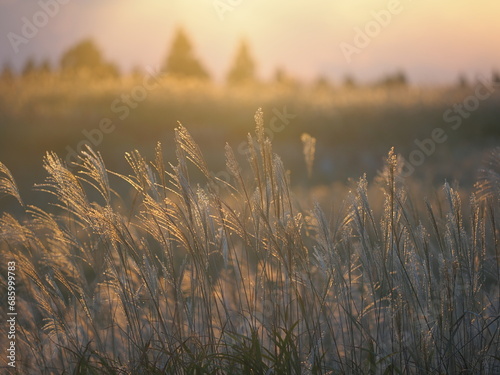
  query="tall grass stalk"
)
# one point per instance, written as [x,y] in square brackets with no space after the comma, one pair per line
[202,276]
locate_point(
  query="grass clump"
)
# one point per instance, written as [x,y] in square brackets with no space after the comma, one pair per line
[202,276]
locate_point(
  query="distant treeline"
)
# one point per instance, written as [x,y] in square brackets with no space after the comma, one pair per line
[85,60]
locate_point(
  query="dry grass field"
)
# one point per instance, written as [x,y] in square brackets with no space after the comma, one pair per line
[239,261]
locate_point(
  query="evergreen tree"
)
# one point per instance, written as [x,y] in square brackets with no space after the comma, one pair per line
[181,62]
[86,57]
[243,68]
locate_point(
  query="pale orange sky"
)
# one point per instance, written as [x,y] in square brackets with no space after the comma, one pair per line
[430,40]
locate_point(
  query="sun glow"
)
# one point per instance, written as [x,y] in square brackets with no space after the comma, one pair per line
[302,37]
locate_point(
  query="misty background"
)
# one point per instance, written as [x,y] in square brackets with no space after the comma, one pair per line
[81,79]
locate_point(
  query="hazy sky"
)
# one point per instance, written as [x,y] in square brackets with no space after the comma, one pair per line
[433,41]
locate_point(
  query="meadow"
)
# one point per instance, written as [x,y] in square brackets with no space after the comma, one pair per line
[196,248]
[355,126]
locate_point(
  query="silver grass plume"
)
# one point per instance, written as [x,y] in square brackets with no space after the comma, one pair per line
[488,184]
[309,147]
[8,184]
[187,147]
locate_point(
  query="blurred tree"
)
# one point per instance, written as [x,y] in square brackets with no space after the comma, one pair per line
[279,75]
[85,58]
[349,81]
[29,67]
[7,74]
[181,62]
[45,67]
[322,83]
[243,68]
[84,55]
[495,77]
[137,72]
[282,78]
[397,79]
[462,81]
[109,70]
